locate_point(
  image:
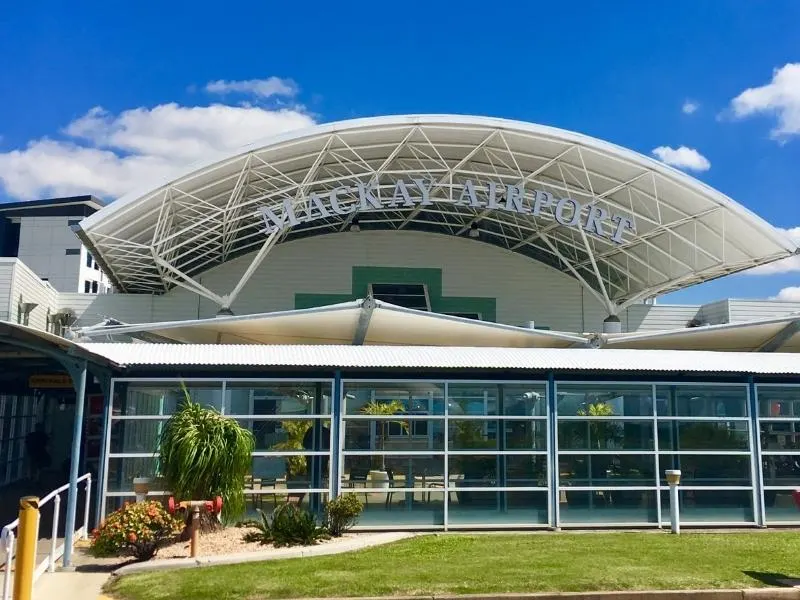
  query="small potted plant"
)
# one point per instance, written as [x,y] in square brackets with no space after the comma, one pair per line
[378,475]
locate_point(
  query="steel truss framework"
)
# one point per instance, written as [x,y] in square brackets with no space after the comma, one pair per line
[683,231]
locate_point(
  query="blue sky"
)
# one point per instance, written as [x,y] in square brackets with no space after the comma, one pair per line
[95,98]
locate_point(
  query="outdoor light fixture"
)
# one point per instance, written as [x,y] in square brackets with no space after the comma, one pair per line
[354,226]
[473,230]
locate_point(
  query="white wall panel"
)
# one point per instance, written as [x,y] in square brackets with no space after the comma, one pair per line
[750,310]
[28,287]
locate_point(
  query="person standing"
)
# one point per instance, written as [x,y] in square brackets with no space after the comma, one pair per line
[36,447]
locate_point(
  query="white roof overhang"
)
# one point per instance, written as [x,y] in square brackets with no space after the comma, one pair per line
[360,322]
[427,357]
[681,231]
[372,322]
[780,334]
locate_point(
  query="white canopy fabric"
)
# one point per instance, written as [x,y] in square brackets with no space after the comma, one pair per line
[626,226]
[768,335]
[373,322]
[359,322]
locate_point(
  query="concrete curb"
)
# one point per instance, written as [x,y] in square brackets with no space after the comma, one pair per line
[357,543]
[742,594]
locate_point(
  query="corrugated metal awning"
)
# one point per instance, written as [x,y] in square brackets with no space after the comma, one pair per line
[427,357]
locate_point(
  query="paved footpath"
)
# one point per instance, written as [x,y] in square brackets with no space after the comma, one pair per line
[70,586]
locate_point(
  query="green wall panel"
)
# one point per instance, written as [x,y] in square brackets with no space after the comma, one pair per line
[362,277]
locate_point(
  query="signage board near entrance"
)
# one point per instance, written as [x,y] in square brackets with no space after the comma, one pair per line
[50,381]
[408,194]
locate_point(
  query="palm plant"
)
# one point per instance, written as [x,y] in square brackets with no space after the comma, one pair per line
[204,454]
[383,409]
[295,433]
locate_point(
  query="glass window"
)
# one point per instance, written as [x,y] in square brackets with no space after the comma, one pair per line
[703,435]
[396,434]
[135,435]
[72,252]
[418,470]
[609,506]
[604,400]
[417,398]
[491,470]
[778,401]
[290,435]
[710,506]
[497,399]
[780,435]
[87,287]
[278,398]
[121,472]
[701,401]
[89,259]
[497,434]
[409,295]
[400,509]
[287,472]
[164,398]
[94,287]
[468,507]
[605,434]
[782,469]
[708,469]
[588,470]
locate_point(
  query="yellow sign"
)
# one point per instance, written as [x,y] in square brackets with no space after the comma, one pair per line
[52,380]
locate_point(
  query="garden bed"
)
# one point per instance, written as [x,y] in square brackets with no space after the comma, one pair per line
[221,542]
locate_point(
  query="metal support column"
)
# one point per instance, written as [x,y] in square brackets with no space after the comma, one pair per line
[104,448]
[336,436]
[77,435]
[755,454]
[552,450]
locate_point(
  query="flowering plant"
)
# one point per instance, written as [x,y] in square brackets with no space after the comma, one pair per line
[138,529]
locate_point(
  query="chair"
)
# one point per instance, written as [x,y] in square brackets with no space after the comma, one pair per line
[392,484]
[254,484]
[358,475]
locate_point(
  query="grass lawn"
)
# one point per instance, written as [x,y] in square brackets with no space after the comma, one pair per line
[463,564]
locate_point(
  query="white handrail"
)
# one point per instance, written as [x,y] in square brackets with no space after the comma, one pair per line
[8,536]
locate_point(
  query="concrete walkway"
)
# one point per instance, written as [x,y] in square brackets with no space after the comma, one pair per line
[69,586]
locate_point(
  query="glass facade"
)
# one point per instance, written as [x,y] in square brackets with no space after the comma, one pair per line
[290,421]
[438,453]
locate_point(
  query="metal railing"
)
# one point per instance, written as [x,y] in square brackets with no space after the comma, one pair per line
[8,536]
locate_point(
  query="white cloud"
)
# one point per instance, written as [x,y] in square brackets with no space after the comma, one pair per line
[780,97]
[787,265]
[689,107]
[683,158]
[788,294]
[263,88]
[107,155]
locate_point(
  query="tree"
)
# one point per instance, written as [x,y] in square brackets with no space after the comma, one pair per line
[204,454]
[382,409]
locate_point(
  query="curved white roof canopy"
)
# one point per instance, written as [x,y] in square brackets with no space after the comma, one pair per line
[681,231]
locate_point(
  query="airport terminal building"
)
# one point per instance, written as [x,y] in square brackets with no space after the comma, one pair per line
[494,282]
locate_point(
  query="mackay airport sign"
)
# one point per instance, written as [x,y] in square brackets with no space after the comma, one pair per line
[344,200]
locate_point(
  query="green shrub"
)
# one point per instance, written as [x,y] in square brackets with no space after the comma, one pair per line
[342,513]
[205,454]
[138,529]
[287,526]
